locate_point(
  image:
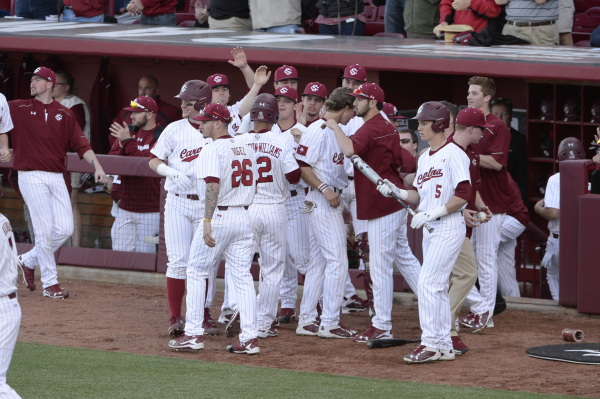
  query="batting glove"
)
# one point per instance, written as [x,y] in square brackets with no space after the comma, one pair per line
[177,177]
[387,189]
[424,217]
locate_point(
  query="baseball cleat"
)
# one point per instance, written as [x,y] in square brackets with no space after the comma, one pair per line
[310,329]
[373,333]
[354,304]
[467,321]
[225,316]
[28,274]
[209,324]
[249,347]
[480,321]
[56,292]
[286,315]
[338,331]
[186,343]
[458,345]
[424,354]
[233,327]
[176,327]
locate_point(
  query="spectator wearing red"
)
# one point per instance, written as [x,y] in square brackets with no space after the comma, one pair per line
[154,12]
[475,13]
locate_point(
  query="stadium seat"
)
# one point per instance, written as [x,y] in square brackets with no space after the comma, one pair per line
[380,14]
[190,23]
[373,28]
[582,43]
[183,17]
[584,5]
[584,23]
[370,13]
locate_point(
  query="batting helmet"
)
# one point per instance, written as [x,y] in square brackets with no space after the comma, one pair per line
[570,148]
[436,112]
[265,108]
[196,90]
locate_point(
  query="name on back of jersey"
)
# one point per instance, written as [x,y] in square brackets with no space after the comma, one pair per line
[238,150]
[266,148]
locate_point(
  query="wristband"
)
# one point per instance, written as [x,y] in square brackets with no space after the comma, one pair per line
[207,220]
[322,187]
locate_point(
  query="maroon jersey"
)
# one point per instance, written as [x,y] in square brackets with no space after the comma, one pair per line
[136,193]
[474,173]
[377,142]
[43,134]
[516,207]
[495,185]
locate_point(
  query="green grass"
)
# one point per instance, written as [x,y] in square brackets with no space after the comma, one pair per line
[45,371]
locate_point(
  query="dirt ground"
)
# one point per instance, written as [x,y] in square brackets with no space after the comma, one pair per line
[114,317]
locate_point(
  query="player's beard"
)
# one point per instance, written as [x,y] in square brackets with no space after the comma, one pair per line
[360,113]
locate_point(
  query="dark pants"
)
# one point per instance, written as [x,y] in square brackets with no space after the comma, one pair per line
[346,28]
[35,9]
[163,20]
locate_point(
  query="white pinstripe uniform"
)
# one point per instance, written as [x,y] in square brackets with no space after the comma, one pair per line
[6,123]
[550,261]
[298,243]
[438,174]
[10,311]
[236,121]
[275,159]
[180,145]
[234,164]
[328,264]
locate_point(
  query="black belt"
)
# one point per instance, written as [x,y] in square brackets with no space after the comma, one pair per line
[68,7]
[350,178]
[12,296]
[224,208]
[554,235]
[293,193]
[536,23]
[192,197]
[335,190]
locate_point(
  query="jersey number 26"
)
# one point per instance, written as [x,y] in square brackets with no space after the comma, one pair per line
[242,173]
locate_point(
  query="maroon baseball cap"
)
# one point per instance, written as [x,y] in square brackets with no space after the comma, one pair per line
[391,111]
[286,72]
[43,72]
[218,79]
[143,104]
[355,72]
[213,111]
[287,91]
[315,89]
[370,91]
[472,117]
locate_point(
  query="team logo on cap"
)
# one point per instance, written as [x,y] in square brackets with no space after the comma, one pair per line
[283,90]
[218,79]
[58,117]
[353,71]
[287,71]
[260,114]
[314,88]
[183,88]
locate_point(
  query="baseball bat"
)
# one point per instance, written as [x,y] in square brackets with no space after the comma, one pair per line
[388,343]
[377,180]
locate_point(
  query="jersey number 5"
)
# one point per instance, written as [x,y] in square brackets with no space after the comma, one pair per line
[438,190]
[264,169]
[242,173]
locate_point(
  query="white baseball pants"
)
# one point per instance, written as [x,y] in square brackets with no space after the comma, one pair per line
[10,321]
[551,263]
[507,273]
[129,230]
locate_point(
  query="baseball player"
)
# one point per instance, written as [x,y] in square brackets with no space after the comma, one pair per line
[10,311]
[41,164]
[180,145]
[354,76]
[230,171]
[137,214]
[298,245]
[443,188]
[549,209]
[277,169]
[377,143]
[6,125]
[322,165]
[493,152]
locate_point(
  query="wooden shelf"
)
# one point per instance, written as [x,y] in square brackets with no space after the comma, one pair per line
[542,159]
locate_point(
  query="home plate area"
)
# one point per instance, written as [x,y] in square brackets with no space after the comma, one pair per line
[572,353]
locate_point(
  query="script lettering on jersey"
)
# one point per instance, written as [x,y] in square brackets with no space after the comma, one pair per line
[238,150]
[189,155]
[431,174]
[338,159]
[266,148]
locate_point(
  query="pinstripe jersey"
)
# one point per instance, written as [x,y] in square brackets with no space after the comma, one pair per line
[319,149]
[438,174]
[180,144]
[236,121]
[552,200]
[234,163]
[6,124]
[274,159]
[277,129]
[8,254]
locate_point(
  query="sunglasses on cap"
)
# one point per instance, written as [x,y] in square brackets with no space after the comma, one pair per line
[406,141]
[133,104]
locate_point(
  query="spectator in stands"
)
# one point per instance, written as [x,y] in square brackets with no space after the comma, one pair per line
[420,17]
[409,140]
[595,38]
[284,18]
[230,14]
[83,11]
[154,12]
[63,93]
[534,21]
[35,9]
[474,13]
[394,16]
[341,17]
[517,156]
[201,12]
[138,211]
[566,9]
